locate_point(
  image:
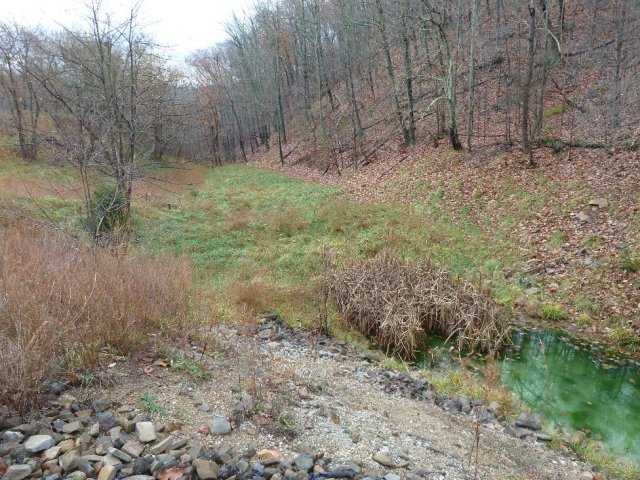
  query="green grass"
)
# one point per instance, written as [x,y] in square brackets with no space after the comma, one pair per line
[554,312]
[557,239]
[256,238]
[612,465]
[184,363]
[629,261]
[149,403]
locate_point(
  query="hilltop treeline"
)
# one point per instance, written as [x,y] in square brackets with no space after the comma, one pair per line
[333,79]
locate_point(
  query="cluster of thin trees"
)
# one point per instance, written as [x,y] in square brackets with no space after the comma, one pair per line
[334,80]
[99,98]
[343,77]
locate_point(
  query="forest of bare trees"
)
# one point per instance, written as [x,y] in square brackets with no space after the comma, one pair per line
[331,80]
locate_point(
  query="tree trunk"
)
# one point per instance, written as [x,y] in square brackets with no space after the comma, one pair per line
[472,69]
[410,130]
[526,92]
[392,79]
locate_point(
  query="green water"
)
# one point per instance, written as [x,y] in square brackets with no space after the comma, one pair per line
[575,389]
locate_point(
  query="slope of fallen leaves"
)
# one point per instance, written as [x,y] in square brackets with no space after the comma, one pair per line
[570,253]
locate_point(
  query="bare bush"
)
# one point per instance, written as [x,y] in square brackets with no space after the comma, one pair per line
[399,304]
[63,300]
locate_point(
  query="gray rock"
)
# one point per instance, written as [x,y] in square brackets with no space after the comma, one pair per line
[384,460]
[140,477]
[94,430]
[10,448]
[452,405]
[179,443]
[584,217]
[543,437]
[103,444]
[11,436]
[91,458]
[205,469]
[146,432]
[219,425]
[51,454]
[133,448]
[270,472]
[110,459]
[100,406]
[227,471]
[204,407]
[266,334]
[77,475]
[118,437]
[527,421]
[39,443]
[107,421]
[17,472]
[107,472]
[120,455]
[162,446]
[73,427]
[342,471]
[465,404]
[163,462]
[142,465]
[242,465]
[599,202]
[70,461]
[304,462]
[392,476]
[86,467]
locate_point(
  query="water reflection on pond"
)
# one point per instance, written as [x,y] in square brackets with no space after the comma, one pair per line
[572,388]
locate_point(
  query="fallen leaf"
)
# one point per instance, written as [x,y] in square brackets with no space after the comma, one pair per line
[161,363]
[174,473]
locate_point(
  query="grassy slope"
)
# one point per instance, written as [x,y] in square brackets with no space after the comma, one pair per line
[256,239]
[259,237]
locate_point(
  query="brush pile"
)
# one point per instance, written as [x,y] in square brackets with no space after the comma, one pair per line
[398,304]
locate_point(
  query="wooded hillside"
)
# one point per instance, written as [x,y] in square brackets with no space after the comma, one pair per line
[330,81]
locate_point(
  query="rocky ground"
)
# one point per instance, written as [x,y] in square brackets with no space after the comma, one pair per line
[270,404]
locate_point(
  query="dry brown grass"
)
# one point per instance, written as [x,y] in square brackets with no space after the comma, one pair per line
[287,220]
[253,295]
[64,300]
[155,187]
[398,304]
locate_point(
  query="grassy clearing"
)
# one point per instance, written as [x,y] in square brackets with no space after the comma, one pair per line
[257,238]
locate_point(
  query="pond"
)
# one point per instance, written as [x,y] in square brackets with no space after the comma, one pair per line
[574,388]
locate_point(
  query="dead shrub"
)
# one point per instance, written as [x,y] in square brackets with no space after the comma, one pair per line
[64,299]
[399,304]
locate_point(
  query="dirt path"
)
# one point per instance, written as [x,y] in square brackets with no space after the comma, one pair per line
[309,394]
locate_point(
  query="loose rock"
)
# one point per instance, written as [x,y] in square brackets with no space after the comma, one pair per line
[206,469]
[39,443]
[70,461]
[17,472]
[146,432]
[219,425]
